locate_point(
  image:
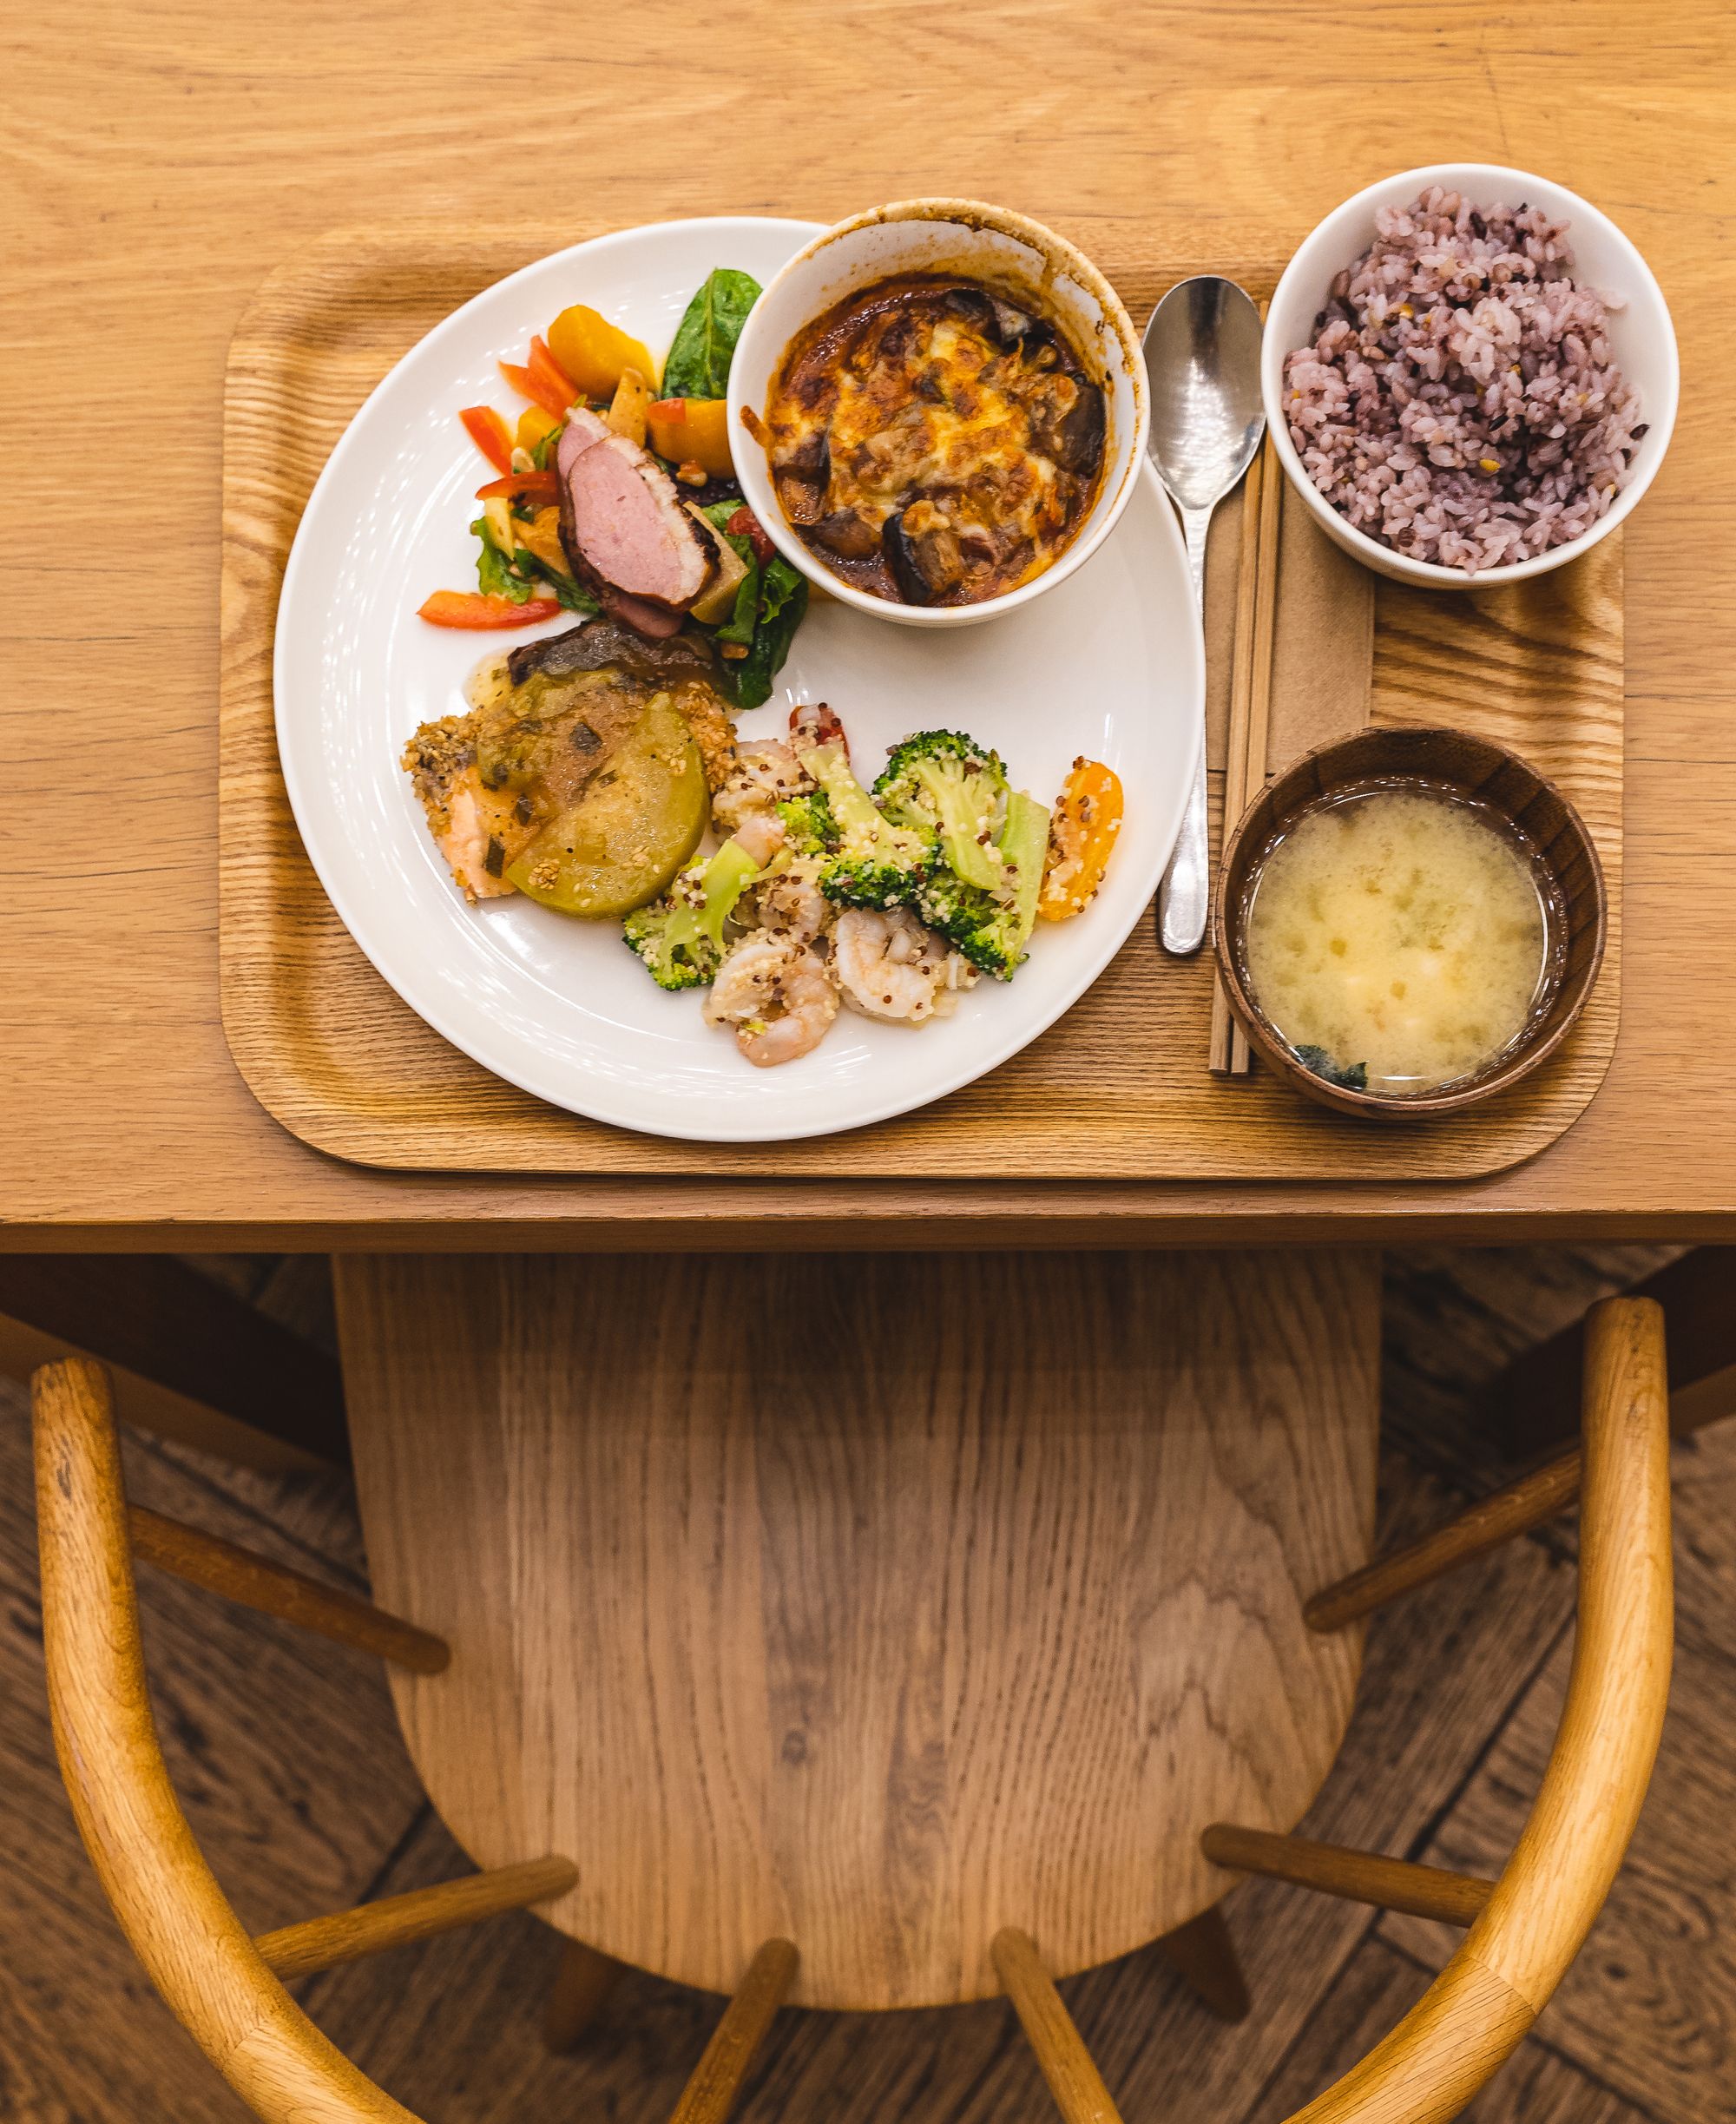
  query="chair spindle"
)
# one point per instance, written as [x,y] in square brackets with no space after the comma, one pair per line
[1358,1876]
[1533,1501]
[394,1921]
[273,1589]
[1066,2064]
[581,1990]
[710,2095]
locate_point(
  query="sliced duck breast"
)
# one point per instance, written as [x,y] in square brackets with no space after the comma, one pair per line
[656,622]
[622,521]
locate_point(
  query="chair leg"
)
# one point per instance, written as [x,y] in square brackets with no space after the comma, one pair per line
[578,1995]
[1202,1956]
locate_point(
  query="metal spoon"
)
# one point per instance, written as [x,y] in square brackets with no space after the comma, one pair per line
[1202,353]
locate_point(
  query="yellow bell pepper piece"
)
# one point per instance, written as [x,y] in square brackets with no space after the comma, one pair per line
[593,353]
[533,424]
[693,431]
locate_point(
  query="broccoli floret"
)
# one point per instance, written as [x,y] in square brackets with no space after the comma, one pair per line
[809,826]
[875,861]
[945,782]
[667,937]
[680,937]
[992,929]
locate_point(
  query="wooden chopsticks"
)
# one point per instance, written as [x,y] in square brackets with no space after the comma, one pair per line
[1250,694]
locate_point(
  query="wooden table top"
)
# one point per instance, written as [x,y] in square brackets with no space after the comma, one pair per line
[161,168]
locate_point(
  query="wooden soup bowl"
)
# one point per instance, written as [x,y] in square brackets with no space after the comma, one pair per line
[1515,798]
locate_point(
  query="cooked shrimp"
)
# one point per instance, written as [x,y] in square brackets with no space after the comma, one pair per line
[791,900]
[766,772]
[761,834]
[813,723]
[777,993]
[892,966]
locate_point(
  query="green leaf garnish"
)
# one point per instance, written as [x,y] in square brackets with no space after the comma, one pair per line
[705,340]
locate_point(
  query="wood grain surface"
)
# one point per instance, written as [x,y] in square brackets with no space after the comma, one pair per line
[1118,1088]
[195,148]
[968,1602]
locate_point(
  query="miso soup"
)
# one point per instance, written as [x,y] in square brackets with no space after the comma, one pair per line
[1397,940]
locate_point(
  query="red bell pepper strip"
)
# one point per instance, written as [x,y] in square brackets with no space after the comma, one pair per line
[543,366]
[488,432]
[471,608]
[745,524]
[522,486]
[544,393]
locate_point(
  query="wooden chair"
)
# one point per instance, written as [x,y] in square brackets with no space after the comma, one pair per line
[1523,1930]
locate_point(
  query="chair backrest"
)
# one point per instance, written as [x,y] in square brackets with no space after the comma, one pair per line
[1480,2007]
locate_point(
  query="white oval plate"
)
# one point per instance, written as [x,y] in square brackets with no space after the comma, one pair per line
[1111,665]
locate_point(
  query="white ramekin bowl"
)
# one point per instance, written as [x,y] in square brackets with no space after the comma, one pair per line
[1641,335]
[986,243]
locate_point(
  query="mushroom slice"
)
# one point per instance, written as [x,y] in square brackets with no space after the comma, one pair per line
[922,552]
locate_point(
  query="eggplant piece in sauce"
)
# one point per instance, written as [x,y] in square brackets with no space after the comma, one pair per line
[802,477]
[847,533]
[924,553]
[997,319]
[1068,427]
[547,725]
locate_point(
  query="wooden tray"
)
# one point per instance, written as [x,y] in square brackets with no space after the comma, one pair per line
[1119,1088]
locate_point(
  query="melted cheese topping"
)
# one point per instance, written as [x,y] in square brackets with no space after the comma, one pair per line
[910,405]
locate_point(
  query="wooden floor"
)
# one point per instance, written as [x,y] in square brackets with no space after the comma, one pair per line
[1458,1701]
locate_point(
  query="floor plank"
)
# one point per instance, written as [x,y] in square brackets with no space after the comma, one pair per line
[1453,1318]
[1650,2005]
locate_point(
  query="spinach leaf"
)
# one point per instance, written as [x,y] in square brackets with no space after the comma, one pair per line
[525,576]
[740,626]
[698,366]
[783,601]
[782,584]
[574,595]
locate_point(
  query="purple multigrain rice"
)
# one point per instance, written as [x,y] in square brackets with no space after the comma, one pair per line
[1460,402]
